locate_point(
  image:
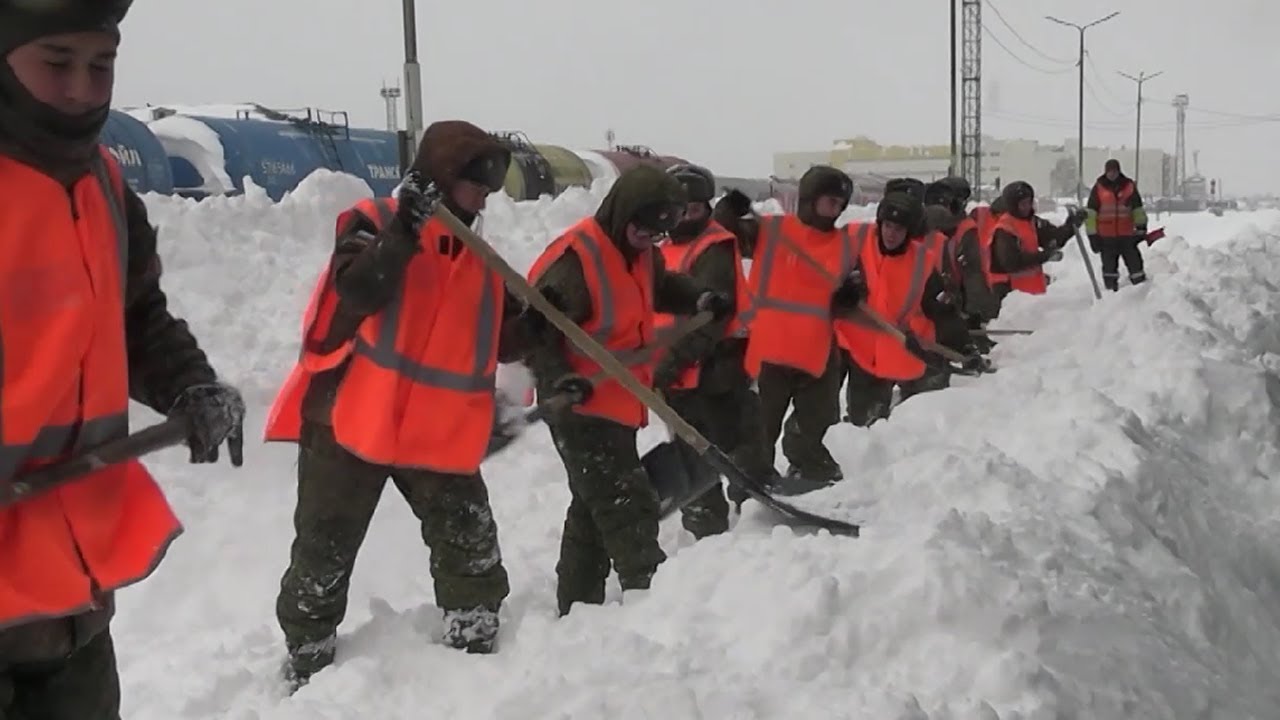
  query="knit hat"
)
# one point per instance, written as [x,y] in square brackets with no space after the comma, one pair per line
[22,21]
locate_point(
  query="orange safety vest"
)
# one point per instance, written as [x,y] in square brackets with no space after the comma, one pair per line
[418,389]
[1115,218]
[681,258]
[985,222]
[789,318]
[64,387]
[1032,280]
[896,284]
[621,315]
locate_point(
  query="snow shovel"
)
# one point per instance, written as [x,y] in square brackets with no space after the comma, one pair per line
[167,434]
[1084,255]
[711,454]
[507,430]
[1153,236]
[668,468]
[992,332]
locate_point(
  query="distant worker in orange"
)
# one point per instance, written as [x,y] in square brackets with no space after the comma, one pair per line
[1022,242]
[1117,225]
[399,356]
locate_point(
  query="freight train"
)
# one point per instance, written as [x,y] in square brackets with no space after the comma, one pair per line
[203,151]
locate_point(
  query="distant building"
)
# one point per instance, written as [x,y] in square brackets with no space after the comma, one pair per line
[1049,168]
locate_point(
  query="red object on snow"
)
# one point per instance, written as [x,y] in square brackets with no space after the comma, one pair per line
[1155,235]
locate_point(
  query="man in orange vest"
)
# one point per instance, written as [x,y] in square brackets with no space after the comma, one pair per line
[904,286]
[84,327]
[1022,242]
[791,350]
[605,275]
[702,376]
[961,261]
[1117,225]
[396,379]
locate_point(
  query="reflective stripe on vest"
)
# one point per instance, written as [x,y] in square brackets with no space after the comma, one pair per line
[607,315]
[384,354]
[771,240]
[915,289]
[57,440]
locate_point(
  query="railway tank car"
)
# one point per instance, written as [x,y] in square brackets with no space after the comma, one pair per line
[208,150]
[142,159]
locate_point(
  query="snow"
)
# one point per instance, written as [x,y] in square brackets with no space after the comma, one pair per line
[198,144]
[1089,533]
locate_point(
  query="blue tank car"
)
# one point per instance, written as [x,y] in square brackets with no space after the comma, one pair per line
[142,158]
[277,154]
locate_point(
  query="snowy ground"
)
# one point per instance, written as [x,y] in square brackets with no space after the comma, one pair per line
[1090,533]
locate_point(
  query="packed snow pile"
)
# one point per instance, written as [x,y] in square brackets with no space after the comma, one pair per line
[1088,533]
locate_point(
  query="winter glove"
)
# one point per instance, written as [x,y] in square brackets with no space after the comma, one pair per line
[719,304]
[666,374]
[1051,256]
[215,414]
[737,202]
[417,201]
[576,388]
[852,292]
[1095,244]
[913,346]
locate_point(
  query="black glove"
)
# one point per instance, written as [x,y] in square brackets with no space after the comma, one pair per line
[576,388]
[1077,217]
[1051,256]
[852,292]
[215,414]
[666,374]
[912,343]
[737,202]
[1095,243]
[417,201]
[719,304]
[1140,236]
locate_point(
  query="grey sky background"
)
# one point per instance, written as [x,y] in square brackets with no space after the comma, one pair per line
[728,82]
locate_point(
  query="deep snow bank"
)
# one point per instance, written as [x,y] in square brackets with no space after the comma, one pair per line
[1088,533]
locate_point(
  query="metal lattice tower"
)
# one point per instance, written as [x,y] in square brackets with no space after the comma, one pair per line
[971,94]
[1180,103]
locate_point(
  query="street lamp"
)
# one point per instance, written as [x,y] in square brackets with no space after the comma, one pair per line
[1137,140]
[412,82]
[1080,131]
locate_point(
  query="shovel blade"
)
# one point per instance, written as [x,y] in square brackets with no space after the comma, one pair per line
[668,471]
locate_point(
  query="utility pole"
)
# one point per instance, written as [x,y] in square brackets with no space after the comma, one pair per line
[955,80]
[1080,130]
[1137,140]
[412,82]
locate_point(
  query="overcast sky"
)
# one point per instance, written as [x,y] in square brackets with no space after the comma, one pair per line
[728,82]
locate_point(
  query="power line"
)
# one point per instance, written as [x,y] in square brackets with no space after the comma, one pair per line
[1019,38]
[986,30]
[1239,116]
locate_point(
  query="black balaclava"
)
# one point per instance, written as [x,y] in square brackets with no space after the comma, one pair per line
[821,181]
[700,187]
[31,131]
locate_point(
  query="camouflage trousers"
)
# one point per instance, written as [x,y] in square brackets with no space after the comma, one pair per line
[82,686]
[869,398]
[613,511]
[816,404]
[337,496]
[731,421]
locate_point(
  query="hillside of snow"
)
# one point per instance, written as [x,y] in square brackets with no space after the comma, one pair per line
[1089,533]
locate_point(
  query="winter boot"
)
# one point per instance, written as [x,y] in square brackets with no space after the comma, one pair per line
[306,660]
[474,630]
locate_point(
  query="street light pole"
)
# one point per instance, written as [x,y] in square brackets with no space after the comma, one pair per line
[1080,130]
[412,80]
[955,104]
[1137,140]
